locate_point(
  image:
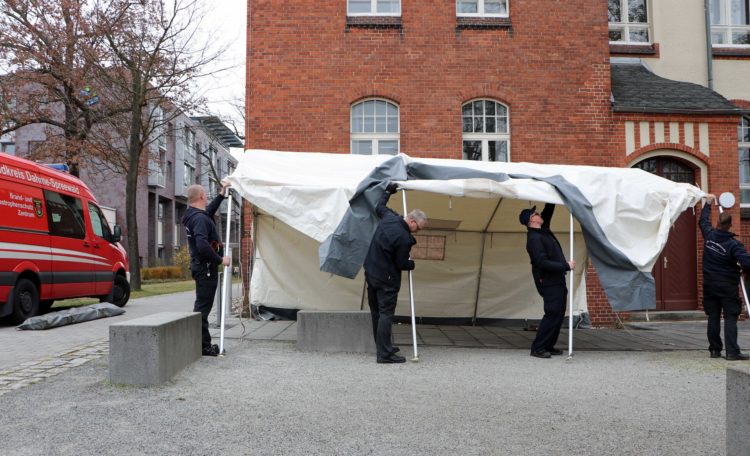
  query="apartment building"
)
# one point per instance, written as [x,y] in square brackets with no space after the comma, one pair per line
[621,83]
[184,151]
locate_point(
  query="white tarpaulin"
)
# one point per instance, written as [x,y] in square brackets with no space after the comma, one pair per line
[316,212]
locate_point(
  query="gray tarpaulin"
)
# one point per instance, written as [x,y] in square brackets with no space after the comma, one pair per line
[71,316]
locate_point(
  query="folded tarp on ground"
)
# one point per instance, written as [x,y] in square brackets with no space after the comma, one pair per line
[72,316]
[624,214]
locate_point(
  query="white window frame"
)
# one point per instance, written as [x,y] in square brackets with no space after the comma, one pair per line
[743,129]
[375,137]
[485,138]
[373,10]
[480,10]
[625,26]
[723,25]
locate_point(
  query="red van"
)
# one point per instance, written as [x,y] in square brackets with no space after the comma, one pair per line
[54,242]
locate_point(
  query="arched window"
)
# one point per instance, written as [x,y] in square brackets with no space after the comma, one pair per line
[375,128]
[743,133]
[486,134]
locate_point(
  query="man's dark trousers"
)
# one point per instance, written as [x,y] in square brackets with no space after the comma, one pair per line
[718,296]
[554,315]
[205,292]
[382,299]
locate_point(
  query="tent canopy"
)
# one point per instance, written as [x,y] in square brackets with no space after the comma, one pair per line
[623,214]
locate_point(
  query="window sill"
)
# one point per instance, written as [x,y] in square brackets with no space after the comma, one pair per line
[482,23]
[630,50]
[740,53]
[373,22]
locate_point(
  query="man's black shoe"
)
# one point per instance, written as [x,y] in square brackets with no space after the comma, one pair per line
[554,351]
[396,350]
[715,353]
[738,357]
[210,351]
[541,354]
[391,359]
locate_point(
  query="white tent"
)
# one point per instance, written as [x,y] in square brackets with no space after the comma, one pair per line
[315,212]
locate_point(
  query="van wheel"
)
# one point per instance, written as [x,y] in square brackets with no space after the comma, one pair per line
[45,305]
[25,301]
[121,291]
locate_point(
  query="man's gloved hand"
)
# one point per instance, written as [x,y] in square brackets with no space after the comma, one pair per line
[391,188]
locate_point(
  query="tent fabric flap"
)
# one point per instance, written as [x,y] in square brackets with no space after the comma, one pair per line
[624,214]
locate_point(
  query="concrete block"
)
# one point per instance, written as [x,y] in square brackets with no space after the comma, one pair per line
[150,350]
[335,331]
[738,411]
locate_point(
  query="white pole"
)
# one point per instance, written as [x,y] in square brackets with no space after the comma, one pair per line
[227,274]
[411,298]
[570,294]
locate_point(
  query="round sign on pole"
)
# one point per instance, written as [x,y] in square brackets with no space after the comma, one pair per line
[726,200]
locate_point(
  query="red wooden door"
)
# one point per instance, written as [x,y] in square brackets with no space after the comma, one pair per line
[676,270]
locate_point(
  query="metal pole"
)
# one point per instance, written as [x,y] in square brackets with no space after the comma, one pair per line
[227,276]
[570,294]
[411,297]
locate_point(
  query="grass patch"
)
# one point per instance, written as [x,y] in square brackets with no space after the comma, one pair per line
[151,288]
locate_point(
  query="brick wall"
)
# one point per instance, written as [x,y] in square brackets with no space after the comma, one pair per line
[549,64]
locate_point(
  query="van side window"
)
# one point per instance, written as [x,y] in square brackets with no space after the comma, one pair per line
[99,223]
[64,215]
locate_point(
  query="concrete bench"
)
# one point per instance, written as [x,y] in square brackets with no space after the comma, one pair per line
[738,410]
[150,350]
[340,331]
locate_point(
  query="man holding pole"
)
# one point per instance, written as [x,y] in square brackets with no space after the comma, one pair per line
[724,258]
[206,254]
[387,257]
[548,267]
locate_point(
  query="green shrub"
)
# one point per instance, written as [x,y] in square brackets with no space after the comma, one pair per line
[182,260]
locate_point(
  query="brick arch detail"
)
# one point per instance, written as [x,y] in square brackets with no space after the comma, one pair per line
[365,94]
[634,157]
[485,91]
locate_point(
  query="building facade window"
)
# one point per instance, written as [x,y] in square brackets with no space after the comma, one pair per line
[486,133]
[373,7]
[743,131]
[730,22]
[375,128]
[482,8]
[8,147]
[628,21]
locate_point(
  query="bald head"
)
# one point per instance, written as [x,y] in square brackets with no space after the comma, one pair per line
[195,193]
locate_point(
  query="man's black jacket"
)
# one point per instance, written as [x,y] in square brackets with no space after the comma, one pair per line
[721,252]
[548,263]
[390,246]
[203,238]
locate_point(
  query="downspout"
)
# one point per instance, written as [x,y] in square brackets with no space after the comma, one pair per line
[709,54]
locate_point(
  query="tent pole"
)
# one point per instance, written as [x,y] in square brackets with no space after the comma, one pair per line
[411,297]
[481,261]
[227,274]
[364,290]
[570,294]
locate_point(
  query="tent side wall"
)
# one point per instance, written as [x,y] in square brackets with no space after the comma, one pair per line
[286,275]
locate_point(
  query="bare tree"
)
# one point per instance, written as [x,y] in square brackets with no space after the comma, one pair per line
[47,56]
[154,53]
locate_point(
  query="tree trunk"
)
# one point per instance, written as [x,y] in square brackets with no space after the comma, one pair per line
[131,185]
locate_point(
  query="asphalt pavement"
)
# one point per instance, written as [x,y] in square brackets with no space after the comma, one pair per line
[475,390]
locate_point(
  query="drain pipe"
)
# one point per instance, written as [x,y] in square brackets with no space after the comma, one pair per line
[709,54]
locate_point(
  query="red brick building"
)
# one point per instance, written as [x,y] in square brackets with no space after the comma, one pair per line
[517,80]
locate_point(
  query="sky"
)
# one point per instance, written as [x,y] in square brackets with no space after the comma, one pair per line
[225,22]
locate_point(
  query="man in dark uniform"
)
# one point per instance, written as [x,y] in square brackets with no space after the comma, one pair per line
[723,259]
[206,253]
[387,258]
[548,267]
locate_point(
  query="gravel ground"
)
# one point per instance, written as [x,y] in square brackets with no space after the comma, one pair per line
[268,398]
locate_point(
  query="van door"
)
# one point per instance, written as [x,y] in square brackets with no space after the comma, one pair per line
[102,246]
[72,258]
